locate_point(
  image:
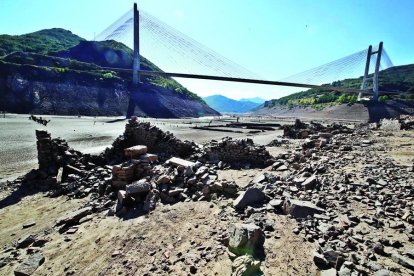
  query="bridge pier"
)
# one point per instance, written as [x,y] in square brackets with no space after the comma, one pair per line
[375,78]
[135,64]
[366,73]
[377,67]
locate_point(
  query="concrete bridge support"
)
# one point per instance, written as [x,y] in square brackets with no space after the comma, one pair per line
[374,79]
[135,64]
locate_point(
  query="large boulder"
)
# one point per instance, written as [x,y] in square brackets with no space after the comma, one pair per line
[246,239]
[29,266]
[138,187]
[250,197]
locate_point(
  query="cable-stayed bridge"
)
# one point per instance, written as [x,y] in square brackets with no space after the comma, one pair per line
[178,55]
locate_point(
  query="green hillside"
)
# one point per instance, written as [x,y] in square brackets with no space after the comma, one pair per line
[44,41]
[395,79]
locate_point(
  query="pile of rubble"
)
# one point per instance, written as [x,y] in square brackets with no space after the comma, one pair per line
[49,152]
[313,185]
[141,182]
[302,130]
[404,122]
[164,144]
[344,212]
[241,153]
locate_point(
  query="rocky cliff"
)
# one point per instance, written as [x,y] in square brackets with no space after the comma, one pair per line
[56,72]
[29,89]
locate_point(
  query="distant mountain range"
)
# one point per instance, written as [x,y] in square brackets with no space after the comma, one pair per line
[227,105]
[257,100]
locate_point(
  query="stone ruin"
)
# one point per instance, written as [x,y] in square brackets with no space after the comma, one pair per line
[404,122]
[143,182]
[302,130]
[237,152]
[162,143]
[306,185]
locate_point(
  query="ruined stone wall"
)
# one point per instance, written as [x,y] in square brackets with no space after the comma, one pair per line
[162,143]
[237,152]
[50,152]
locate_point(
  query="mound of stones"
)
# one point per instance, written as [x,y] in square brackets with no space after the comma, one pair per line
[162,143]
[241,153]
[301,130]
[404,122]
[143,182]
[313,186]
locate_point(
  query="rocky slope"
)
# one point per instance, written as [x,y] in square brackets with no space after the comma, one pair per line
[318,103]
[363,112]
[71,80]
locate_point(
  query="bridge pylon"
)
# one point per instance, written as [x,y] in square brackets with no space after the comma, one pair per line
[366,78]
[135,65]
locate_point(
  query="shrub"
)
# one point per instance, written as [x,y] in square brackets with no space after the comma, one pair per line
[59,70]
[108,76]
[383,99]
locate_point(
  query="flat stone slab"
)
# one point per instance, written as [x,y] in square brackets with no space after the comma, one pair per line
[29,266]
[74,216]
[300,209]
[250,197]
[402,260]
[150,157]
[180,162]
[135,151]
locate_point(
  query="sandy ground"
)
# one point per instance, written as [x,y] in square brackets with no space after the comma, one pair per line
[173,237]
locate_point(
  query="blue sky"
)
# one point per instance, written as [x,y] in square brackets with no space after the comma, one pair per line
[273,38]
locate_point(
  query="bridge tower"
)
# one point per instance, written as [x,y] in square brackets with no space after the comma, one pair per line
[367,78]
[135,64]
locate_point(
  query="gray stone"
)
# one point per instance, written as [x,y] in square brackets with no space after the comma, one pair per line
[29,224]
[320,261]
[29,266]
[410,253]
[180,162]
[329,272]
[310,183]
[378,248]
[402,260]
[248,198]
[374,266]
[332,257]
[382,272]
[25,241]
[259,179]
[276,203]
[121,196]
[245,265]
[138,187]
[345,271]
[74,216]
[246,239]
[390,125]
[300,209]
[135,151]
